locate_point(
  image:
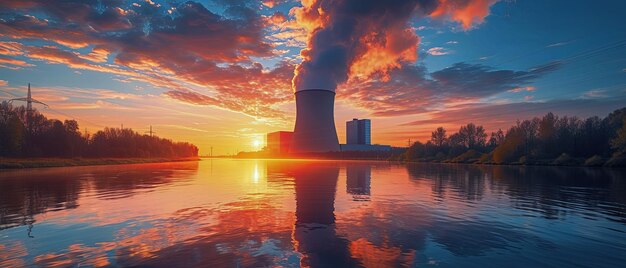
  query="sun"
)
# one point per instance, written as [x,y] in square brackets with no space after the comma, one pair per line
[256,143]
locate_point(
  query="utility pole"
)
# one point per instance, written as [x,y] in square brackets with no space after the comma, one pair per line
[151,132]
[211,151]
[409,143]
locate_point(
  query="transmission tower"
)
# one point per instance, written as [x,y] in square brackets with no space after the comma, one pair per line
[29,104]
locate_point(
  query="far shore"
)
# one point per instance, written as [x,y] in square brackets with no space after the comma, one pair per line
[562,161]
[20,163]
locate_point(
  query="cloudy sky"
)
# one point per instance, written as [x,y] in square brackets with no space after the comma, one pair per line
[222,73]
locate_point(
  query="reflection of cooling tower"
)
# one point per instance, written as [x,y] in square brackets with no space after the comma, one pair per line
[315,122]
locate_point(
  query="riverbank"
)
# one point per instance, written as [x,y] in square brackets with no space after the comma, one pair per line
[563,160]
[18,163]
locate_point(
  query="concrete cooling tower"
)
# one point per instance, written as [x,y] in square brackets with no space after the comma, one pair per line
[315,122]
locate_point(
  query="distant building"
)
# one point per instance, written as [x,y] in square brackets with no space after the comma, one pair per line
[279,142]
[358,131]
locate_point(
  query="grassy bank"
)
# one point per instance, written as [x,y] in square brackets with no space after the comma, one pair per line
[14,163]
[473,157]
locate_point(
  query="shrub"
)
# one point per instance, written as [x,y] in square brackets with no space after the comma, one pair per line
[594,161]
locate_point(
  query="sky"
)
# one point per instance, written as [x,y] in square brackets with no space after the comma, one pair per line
[222,73]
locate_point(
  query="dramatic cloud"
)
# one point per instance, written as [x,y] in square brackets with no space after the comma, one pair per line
[207,58]
[466,12]
[411,89]
[172,46]
[363,38]
[465,80]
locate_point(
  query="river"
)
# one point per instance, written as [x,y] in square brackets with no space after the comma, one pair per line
[291,213]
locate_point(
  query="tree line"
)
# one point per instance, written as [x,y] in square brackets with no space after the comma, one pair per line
[549,140]
[31,134]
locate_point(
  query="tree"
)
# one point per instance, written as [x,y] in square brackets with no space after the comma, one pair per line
[496,138]
[438,137]
[472,136]
[619,142]
[53,138]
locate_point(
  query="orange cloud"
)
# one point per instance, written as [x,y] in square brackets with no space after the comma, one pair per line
[364,39]
[15,62]
[398,45]
[468,13]
[521,89]
[11,48]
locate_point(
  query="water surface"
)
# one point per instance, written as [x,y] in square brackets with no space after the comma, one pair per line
[268,213]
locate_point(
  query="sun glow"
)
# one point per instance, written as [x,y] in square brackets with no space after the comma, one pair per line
[257,144]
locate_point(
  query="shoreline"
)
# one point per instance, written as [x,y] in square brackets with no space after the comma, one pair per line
[515,164]
[25,163]
[617,162]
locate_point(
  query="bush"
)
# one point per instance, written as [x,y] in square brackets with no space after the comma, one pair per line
[565,160]
[470,156]
[486,158]
[616,161]
[594,161]
[440,156]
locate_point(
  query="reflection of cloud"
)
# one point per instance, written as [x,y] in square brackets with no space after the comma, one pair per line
[77,255]
[11,254]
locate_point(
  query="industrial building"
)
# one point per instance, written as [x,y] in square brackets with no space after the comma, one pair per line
[315,131]
[359,131]
[279,142]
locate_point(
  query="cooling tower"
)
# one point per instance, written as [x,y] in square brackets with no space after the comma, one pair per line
[315,122]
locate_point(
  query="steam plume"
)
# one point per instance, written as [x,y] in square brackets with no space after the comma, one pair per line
[354,39]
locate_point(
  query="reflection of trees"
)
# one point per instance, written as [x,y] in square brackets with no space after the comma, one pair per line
[124,181]
[552,191]
[465,180]
[24,194]
[557,191]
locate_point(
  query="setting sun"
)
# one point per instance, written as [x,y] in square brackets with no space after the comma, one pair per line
[257,144]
